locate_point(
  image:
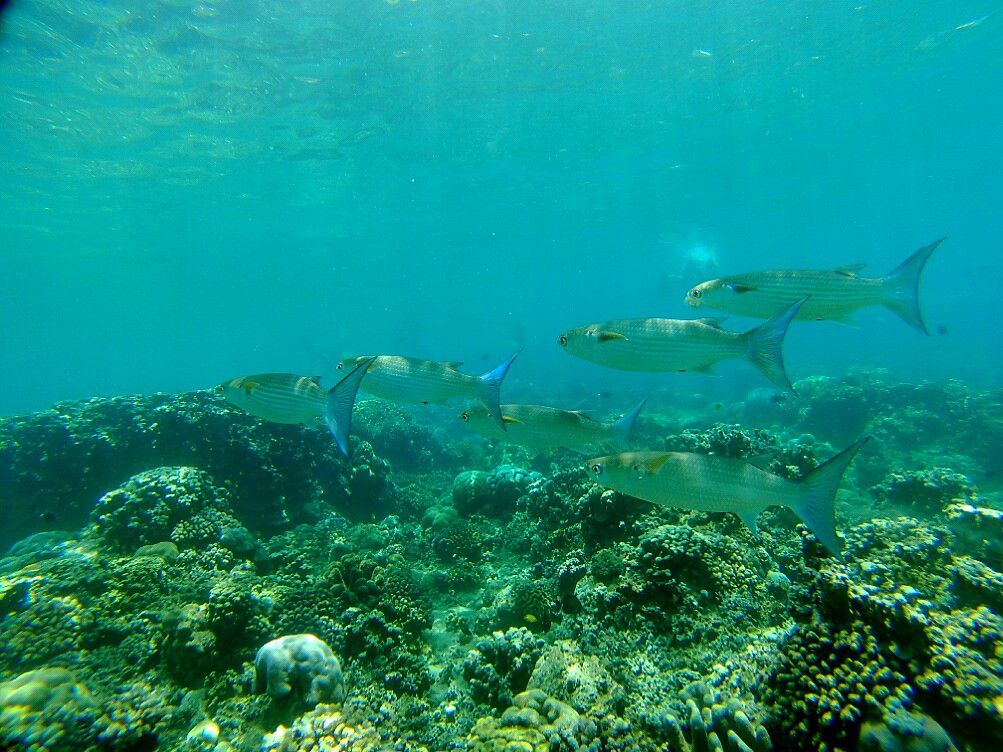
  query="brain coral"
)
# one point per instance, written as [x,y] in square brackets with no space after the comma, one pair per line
[302,663]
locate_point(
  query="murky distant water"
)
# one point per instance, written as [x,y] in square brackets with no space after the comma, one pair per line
[196,190]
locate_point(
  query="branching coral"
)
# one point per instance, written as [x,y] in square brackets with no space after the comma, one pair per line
[499,666]
[715,724]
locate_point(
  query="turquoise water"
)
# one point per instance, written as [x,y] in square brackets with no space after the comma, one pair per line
[192,193]
[197,191]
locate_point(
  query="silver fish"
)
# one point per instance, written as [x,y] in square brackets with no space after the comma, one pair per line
[542,427]
[402,379]
[724,484]
[832,294]
[291,399]
[682,345]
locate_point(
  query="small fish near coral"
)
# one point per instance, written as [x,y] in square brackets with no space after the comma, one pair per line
[287,398]
[400,378]
[542,427]
[724,484]
[661,345]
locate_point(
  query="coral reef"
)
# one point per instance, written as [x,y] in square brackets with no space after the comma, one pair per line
[521,608]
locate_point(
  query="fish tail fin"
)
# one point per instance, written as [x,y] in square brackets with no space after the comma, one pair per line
[902,287]
[339,404]
[623,427]
[490,390]
[816,498]
[765,345]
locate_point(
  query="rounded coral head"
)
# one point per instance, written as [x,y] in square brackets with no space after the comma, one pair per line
[302,665]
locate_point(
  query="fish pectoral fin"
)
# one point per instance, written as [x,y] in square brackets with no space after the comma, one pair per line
[849,270]
[315,379]
[749,518]
[714,321]
[249,386]
[653,465]
[510,419]
[739,289]
[609,336]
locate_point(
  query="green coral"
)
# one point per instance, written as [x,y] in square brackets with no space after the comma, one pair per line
[715,724]
[923,492]
[525,602]
[533,723]
[904,732]
[153,505]
[47,710]
[499,666]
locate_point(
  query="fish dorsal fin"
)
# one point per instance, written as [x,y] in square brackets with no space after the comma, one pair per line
[738,288]
[850,270]
[652,465]
[610,336]
[762,461]
[749,518]
[713,321]
[452,363]
[315,379]
[510,419]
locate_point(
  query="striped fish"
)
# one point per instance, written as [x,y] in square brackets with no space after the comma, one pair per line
[542,427]
[724,484]
[834,294]
[402,379]
[288,398]
[682,345]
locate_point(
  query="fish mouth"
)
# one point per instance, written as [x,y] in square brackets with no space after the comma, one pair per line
[691,301]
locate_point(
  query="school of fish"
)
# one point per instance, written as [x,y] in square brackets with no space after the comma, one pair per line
[671,479]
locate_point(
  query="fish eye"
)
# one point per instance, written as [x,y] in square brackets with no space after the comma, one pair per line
[464,417]
[593,332]
[563,339]
[696,292]
[597,469]
[341,365]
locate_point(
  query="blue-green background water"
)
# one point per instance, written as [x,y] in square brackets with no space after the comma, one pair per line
[192,192]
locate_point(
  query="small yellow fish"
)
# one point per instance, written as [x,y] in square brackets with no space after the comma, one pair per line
[402,379]
[833,294]
[725,484]
[542,427]
[291,399]
[682,345]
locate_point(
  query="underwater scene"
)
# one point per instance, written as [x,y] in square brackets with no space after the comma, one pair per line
[565,376]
